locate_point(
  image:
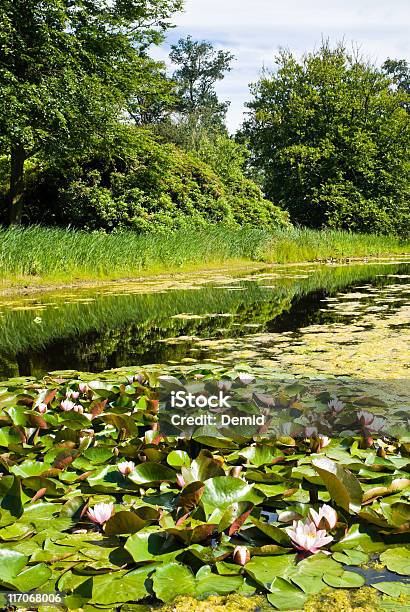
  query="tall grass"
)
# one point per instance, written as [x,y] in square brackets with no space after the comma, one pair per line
[52,253]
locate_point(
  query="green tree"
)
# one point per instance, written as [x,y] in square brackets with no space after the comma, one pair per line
[330,134]
[200,67]
[68,68]
[399,70]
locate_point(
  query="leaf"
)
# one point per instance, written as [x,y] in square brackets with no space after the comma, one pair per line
[191,495]
[286,596]
[148,546]
[124,522]
[394,589]
[11,507]
[397,560]
[265,569]
[234,517]
[178,458]
[11,564]
[32,577]
[351,557]
[111,588]
[342,485]
[222,491]
[172,580]
[149,473]
[344,580]
[272,531]
[208,583]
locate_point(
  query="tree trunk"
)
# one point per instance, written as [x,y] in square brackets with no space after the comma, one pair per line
[14,196]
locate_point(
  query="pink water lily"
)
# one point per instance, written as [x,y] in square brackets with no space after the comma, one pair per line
[371,421]
[42,408]
[326,518]
[101,513]
[336,405]
[126,467]
[70,394]
[84,388]
[67,405]
[180,481]
[306,537]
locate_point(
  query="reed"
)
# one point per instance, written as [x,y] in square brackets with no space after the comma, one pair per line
[65,254]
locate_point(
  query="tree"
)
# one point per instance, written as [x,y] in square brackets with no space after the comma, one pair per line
[399,70]
[67,70]
[200,68]
[331,136]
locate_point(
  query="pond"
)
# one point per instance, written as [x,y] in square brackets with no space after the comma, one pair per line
[348,319]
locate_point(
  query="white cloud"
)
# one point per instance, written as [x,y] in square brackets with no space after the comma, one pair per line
[254,30]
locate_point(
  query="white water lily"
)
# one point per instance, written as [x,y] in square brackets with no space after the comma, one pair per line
[241,555]
[101,513]
[126,467]
[306,537]
[326,518]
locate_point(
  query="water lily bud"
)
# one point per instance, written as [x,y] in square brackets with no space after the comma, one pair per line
[180,481]
[381,452]
[42,408]
[126,467]
[241,555]
[236,471]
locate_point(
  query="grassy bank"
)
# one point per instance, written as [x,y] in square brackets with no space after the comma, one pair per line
[63,254]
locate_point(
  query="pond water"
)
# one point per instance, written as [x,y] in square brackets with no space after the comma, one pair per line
[349,319]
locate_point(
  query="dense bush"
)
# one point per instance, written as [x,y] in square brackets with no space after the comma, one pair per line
[138,182]
[330,135]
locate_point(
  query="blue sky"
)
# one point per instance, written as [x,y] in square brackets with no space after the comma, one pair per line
[254,30]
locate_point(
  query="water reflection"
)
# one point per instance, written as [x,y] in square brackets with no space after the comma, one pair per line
[169,321]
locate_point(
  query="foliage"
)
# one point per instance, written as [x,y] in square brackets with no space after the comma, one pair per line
[331,136]
[67,72]
[137,182]
[165,530]
[200,66]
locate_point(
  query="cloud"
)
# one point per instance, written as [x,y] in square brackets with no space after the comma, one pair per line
[255,30]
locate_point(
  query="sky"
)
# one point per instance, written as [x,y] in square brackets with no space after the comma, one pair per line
[254,30]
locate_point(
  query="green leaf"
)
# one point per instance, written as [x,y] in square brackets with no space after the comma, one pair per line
[112,588]
[178,458]
[342,485]
[148,546]
[351,557]
[397,560]
[344,580]
[394,589]
[11,507]
[272,531]
[286,596]
[150,473]
[208,584]
[32,577]
[222,491]
[124,522]
[265,569]
[11,563]
[172,580]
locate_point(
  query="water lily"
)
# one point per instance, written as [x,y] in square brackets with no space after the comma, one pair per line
[241,555]
[245,378]
[306,537]
[180,481]
[323,442]
[72,394]
[369,420]
[326,518]
[67,405]
[126,467]
[84,388]
[336,405]
[101,513]
[42,408]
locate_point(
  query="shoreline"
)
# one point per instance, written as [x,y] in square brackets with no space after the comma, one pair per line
[22,285]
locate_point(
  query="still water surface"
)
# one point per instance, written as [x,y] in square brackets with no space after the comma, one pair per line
[341,318]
